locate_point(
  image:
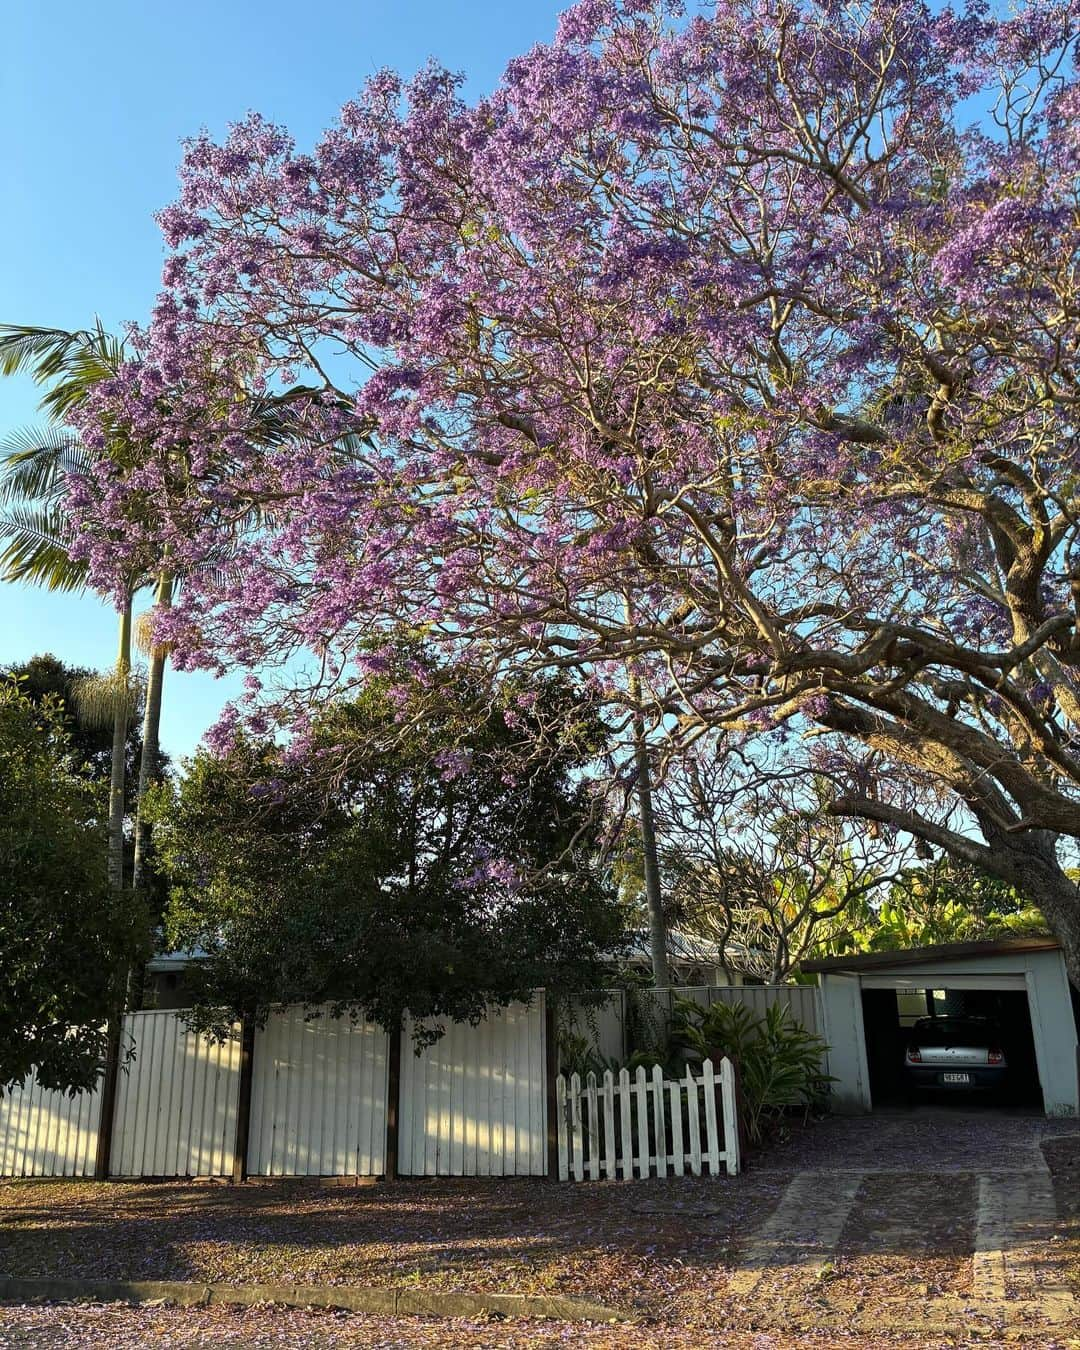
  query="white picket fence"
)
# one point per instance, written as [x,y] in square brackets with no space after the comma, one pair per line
[647,1125]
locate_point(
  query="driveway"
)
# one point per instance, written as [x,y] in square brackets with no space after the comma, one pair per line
[934,1219]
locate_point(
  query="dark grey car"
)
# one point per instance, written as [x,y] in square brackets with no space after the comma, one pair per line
[955,1054]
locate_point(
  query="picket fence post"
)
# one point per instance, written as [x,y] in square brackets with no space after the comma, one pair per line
[711,1133]
[610,1159]
[594,1127]
[560,1112]
[626,1125]
[575,1126]
[642,1122]
[658,1115]
[693,1120]
[675,1092]
[731,1123]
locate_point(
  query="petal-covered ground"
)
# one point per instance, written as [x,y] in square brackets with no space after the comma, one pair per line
[671,1253]
[286,1329]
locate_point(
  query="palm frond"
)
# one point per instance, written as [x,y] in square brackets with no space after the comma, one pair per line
[99,697]
[71,362]
[37,549]
[34,461]
[39,352]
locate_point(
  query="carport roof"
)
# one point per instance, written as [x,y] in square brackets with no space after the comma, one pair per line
[911,956]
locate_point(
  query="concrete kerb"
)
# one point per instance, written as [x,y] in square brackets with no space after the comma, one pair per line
[349,1298]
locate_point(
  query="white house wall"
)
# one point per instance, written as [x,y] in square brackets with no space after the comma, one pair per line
[176,1100]
[48,1134]
[474,1103]
[318,1097]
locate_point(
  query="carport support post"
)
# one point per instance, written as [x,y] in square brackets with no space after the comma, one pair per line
[243,1104]
[393,1104]
[845,1035]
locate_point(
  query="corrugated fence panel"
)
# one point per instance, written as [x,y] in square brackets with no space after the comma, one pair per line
[48,1134]
[318,1097]
[474,1103]
[176,1100]
[603,1025]
[804,1001]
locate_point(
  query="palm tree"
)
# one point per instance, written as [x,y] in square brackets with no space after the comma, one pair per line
[34,468]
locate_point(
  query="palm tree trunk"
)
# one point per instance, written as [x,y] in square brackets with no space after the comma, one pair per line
[121,712]
[151,738]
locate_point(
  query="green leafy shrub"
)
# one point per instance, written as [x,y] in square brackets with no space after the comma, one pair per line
[780,1062]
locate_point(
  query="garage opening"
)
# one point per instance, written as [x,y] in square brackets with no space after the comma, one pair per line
[943,1021]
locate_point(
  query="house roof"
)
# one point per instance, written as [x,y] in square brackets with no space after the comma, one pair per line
[681,946]
[918,956]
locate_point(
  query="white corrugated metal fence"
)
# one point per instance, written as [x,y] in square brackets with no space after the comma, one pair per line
[474,1103]
[318,1097]
[48,1134]
[176,1100]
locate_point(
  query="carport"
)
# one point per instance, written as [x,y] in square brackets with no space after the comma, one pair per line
[1026,975]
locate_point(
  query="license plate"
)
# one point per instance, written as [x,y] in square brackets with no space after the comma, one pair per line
[956,1078]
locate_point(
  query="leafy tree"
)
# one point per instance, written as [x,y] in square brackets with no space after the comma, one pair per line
[66,936]
[761,868]
[733,315]
[942,901]
[90,746]
[403,857]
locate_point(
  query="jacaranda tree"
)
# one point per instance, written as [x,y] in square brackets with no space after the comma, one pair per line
[731,358]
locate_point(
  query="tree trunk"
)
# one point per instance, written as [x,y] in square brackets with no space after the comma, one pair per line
[658,953]
[654,900]
[119,751]
[151,738]
[1026,859]
[1031,865]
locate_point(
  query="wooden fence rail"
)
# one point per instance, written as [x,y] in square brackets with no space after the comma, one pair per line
[647,1125]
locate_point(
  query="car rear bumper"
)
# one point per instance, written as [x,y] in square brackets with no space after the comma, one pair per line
[934,1077]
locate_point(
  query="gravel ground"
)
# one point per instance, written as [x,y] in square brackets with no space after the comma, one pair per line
[639,1247]
[1062,1153]
[909,1239]
[932,1139]
[255,1328]
[662,1250]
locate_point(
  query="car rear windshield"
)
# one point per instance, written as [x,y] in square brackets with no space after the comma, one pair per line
[954,1031]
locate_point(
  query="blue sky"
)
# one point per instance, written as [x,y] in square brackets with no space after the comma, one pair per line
[97,100]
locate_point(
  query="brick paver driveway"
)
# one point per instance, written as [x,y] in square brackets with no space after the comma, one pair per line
[937,1220]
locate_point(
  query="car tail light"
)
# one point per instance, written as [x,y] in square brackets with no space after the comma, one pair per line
[995,1057]
[914,1055]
